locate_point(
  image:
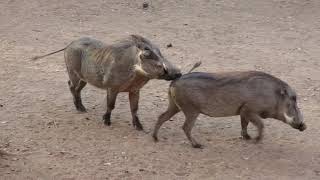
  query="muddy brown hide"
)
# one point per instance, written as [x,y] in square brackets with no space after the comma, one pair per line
[124,66]
[253,95]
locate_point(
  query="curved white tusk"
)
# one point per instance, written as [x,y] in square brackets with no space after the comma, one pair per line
[165,67]
[289,119]
[140,70]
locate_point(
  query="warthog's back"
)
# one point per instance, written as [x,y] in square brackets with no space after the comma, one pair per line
[223,94]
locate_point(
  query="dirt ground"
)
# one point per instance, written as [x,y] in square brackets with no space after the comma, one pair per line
[47,139]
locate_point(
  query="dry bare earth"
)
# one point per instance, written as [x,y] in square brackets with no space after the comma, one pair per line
[48,139]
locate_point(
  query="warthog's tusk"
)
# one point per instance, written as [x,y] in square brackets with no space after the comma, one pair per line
[289,119]
[165,67]
[139,69]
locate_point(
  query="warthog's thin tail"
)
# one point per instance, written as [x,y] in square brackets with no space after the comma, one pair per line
[197,64]
[40,57]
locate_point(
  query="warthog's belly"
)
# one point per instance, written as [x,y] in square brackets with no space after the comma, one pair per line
[92,74]
[221,109]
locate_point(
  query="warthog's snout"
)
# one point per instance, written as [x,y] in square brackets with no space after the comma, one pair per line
[170,73]
[174,76]
[301,127]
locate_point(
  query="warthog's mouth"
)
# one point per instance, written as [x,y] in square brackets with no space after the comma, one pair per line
[170,77]
[300,127]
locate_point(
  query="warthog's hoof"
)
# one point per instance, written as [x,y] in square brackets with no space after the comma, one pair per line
[246,137]
[257,139]
[107,123]
[138,127]
[199,146]
[81,108]
[106,117]
[155,138]
[136,123]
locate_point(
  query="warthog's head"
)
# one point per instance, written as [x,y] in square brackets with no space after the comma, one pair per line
[289,111]
[151,62]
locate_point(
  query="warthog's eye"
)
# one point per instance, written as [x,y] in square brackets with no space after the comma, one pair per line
[149,54]
[294,98]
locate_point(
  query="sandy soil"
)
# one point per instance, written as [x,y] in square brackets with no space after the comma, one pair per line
[47,139]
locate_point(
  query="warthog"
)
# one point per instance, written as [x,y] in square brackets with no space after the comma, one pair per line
[125,66]
[253,95]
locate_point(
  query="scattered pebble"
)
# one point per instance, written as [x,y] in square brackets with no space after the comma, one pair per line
[141,170]
[145,5]
[107,164]
[181,173]
[169,45]
[228,126]
[245,158]
[1,105]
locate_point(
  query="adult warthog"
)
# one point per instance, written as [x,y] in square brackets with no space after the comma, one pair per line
[125,66]
[253,95]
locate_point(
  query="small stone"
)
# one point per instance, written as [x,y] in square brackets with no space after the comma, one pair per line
[245,158]
[228,126]
[107,164]
[15,159]
[1,105]
[169,45]
[141,170]
[181,173]
[145,5]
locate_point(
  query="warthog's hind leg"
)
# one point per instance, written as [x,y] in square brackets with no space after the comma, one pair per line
[111,101]
[134,105]
[75,86]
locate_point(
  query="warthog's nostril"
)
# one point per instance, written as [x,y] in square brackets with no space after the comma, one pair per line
[302,127]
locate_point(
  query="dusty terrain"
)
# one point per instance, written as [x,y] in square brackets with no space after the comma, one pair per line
[47,139]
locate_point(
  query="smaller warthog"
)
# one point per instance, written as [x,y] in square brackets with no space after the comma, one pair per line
[253,95]
[125,66]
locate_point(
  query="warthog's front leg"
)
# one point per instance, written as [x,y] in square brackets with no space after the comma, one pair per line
[111,101]
[191,117]
[134,104]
